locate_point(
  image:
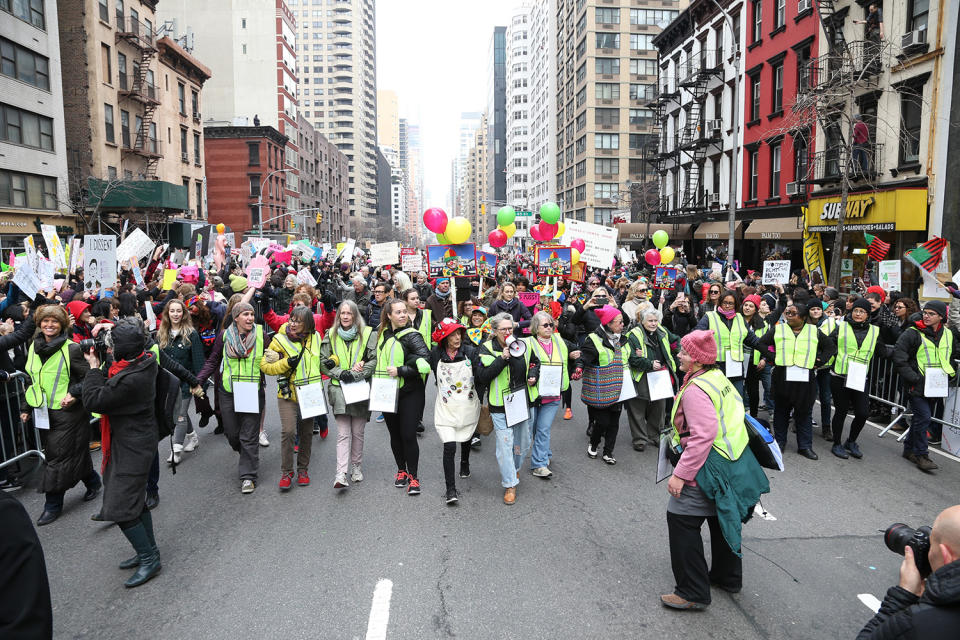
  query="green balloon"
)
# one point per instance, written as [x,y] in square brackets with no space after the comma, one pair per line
[550,212]
[442,239]
[505,216]
[660,239]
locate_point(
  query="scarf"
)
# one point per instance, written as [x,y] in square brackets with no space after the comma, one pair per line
[347,335]
[293,335]
[237,346]
[727,314]
[115,368]
[441,294]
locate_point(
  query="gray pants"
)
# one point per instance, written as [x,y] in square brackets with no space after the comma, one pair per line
[182,423]
[646,420]
[243,434]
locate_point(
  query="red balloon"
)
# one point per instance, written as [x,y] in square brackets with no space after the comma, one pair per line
[548,231]
[497,238]
[535,233]
[579,245]
[435,219]
[652,257]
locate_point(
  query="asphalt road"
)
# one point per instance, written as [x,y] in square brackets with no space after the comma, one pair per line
[583,555]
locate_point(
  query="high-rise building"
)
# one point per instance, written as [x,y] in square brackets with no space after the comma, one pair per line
[469,121]
[33,153]
[411,159]
[475,184]
[607,77]
[497,117]
[543,103]
[388,119]
[518,109]
[338,90]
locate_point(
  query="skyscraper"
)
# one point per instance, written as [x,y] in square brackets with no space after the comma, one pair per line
[518,106]
[388,119]
[543,103]
[497,116]
[469,121]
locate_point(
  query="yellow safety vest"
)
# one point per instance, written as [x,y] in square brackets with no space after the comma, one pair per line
[501,384]
[847,348]
[234,368]
[826,328]
[387,355]
[51,379]
[757,357]
[795,350]
[308,369]
[728,339]
[426,326]
[732,437]
[935,355]
[348,354]
[639,333]
[606,356]
[559,356]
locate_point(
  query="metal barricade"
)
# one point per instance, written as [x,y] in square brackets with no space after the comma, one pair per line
[17,440]
[886,388]
[950,404]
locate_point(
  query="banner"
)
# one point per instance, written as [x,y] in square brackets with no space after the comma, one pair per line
[99,262]
[486,264]
[446,260]
[384,253]
[813,259]
[890,278]
[54,247]
[600,241]
[776,272]
[553,261]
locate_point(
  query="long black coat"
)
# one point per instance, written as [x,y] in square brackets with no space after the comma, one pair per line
[25,611]
[128,400]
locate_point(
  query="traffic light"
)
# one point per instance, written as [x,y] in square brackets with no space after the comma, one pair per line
[483,209]
[293,225]
[319,217]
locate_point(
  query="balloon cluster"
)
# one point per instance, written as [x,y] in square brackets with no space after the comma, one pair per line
[662,254]
[449,231]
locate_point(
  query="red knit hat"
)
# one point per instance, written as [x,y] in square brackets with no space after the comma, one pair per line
[701,346]
[878,290]
[755,299]
[606,313]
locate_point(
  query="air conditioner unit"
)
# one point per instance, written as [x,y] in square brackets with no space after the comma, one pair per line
[714,127]
[804,5]
[793,188]
[713,198]
[913,38]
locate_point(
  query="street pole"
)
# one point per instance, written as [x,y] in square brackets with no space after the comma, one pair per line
[260,201]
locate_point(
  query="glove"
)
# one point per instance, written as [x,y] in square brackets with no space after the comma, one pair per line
[348,376]
[422,366]
[271,356]
[4,375]
[577,374]
[258,296]
[293,361]
[330,363]
[38,301]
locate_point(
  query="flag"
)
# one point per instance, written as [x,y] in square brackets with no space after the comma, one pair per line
[813,259]
[876,248]
[928,255]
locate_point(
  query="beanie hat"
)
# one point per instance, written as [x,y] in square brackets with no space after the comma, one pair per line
[128,339]
[701,346]
[861,303]
[607,313]
[938,306]
[755,299]
[67,295]
[239,308]
[879,291]
[238,283]
[76,309]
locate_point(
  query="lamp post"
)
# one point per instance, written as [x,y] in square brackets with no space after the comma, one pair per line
[260,202]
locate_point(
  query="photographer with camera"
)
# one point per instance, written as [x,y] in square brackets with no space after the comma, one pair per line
[926,602]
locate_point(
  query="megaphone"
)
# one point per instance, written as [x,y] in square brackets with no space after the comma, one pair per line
[515,347]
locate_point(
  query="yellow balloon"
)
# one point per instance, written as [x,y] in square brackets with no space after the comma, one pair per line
[458,230]
[574,255]
[560,230]
[667,254]
[510,229]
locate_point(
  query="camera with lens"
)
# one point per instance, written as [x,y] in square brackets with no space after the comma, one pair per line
[283,386]
[899,536]
[99,344]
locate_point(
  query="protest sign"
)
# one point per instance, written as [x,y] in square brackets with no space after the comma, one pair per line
[578,272]
[54,246]
[486,264]
[305,277]
[600,241]
[31,248]
[384,253]
[137,274]
[76,255]
[890,275]
[412,263]
[553,261]
[45,270]
[665,277]
[26,279]
[776,271]
[346,251]
[137,245]
[99,262]
[529,298]
[446,260]
[169,279]
[257,272]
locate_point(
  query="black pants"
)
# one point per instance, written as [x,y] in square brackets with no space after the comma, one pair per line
[606,424]
[690,566]
[567,397]
[402,426]
[843,399]
[449,453]
[752,385]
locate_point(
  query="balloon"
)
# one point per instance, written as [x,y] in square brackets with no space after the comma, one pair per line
[505,216]
[509,229]
[667,255]
[563,230]
[535,232]
[549,212]
[652,257]
[548,231]
[497,238]
[579,245]
[574,256]
[435,219]
[221,228]
[458,230]
[660,239]
[442,239]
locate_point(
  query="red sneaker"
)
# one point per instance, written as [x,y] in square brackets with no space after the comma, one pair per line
[567,414]
[303,479]
[413,489]
[401,480]
[324,432]
[286,481]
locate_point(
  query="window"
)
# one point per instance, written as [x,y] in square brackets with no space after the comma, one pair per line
[606,141]
[608,65]
[637,141]
[755,97]
[182,98]
[104,11]
[607,91]
[608,16]
[757,32]
[111,173]
[106,64]
[641,117]
[27,10]
[642,91]
[803,69]
[253,151]
[910,124]
[108,123]
[608,41]
[581,145]
[255,185]
[195,104]
[122,71]
[118,11]
[800,160]
[581,193]
[26,128]
[641,41]
[27,190]
[778,87]
[605,190]
[196,148]
[643,67]
[606,166]
[652,16]
[754,167]
[917,13]
[775,157]
[736,30]
[581,74]
[184,154]
[606,116]
[125,129]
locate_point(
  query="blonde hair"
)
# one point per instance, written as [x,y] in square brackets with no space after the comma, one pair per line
[186,325]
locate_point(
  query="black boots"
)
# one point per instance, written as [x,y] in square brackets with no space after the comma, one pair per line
[147,559]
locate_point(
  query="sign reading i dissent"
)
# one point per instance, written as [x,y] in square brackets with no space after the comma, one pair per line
[893,210]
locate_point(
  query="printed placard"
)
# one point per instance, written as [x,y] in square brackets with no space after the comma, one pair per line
[553,261]
[600,241]
[890,277]
[487,264]
[99,262]
[529,298]
[776,272]
[448,260]
[54,246]
[665,277]
[384,253]
[257,272]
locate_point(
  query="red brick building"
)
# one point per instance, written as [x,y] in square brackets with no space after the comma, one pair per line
[240,162]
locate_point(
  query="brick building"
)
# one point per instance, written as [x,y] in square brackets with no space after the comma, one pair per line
[324,185]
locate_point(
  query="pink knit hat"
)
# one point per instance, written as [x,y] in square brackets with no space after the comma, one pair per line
[701,346]
[754,298]
[606,313]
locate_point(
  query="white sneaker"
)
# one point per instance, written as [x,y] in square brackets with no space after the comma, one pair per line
[355,475]
[542,472]
[174,457]
[340,482]
[263,439]
[247,486]
[191,442]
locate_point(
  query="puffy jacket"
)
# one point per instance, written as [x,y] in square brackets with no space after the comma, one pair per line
[905,353]
[933,616]
[518,311]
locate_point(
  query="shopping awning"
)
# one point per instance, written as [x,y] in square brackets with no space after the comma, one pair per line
[774,229]
[138,194]
[718,230]
[637,231]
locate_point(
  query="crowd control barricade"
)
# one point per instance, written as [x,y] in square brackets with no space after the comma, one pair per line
[951,415]
[886,388]
[17,440]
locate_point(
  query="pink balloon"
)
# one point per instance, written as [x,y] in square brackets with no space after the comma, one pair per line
[435,219]
[548,231]
[652,256]
[579,245]
[497,238]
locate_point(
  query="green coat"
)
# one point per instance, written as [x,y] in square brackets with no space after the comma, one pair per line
[735,486]
[334,393]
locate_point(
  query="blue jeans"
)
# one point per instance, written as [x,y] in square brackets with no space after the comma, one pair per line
[766,380]
[512,445]
[916,440]
[738,385]
[540,425]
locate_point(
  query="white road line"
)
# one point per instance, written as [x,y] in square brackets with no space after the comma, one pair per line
[870,601]
[380,610]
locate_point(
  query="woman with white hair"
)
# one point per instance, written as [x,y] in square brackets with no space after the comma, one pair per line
[652,348]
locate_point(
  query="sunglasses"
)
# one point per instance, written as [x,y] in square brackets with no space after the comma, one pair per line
[547,324]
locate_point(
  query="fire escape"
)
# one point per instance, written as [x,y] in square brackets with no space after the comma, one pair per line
[138,88]
[660,148]
[693,136]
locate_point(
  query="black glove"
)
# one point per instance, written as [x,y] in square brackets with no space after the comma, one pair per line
[329,363]
[4,375]
[293,361]
[258,295]
[348,376]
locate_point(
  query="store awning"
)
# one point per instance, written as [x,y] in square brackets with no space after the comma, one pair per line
[637,231]
[718,230]
[138,194]
[774,229]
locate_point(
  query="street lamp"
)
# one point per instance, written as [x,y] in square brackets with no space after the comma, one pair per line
[260,201]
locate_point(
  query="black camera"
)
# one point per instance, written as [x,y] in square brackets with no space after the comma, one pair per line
[283,386]
[899,536]
[98,344]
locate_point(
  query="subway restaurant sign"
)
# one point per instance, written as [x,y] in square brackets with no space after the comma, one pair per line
[893,210]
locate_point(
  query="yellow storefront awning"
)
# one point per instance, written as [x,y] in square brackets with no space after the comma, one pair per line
[892,210]
[718,230]
[775,229]
[637,231]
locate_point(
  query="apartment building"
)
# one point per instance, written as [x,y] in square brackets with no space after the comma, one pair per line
[496,112]
[543,104]
[518,108]
[476,188]
[469,121]
[324,180]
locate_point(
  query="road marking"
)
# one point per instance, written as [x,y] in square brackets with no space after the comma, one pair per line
[760,512]
[380,610]
[870,601]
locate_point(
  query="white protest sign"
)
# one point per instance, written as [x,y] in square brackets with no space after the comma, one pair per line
[600,241]
[26,279]
[137,245]
[931,284]
[412,264]
[257,272]
[890,278]
[31,249]
[45,271]
[305,277]
[76,255]
[776,271]
[137,274]
[99,262]
[384,253]
[54,246]
[348,248]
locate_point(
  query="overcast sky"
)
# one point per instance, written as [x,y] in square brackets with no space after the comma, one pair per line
[433,53]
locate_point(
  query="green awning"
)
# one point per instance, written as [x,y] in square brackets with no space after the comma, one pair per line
[138,194]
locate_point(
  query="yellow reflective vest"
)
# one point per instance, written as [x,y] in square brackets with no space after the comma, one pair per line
[732,437]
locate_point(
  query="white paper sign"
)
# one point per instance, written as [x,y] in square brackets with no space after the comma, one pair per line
[311,400]
[137,245]
[798,374]
[515,407]
[151,316]
[45,270]
[54,246]
[664,468]
[41,417]
[627,389]
[31,250]
[411,264]
[354,392]
[732,368]
[348,248]
[890,275]
[76,255]
[384,253]
[935,383]
[246,398]
[856,376]
[551,376]
[26,279]
[776,271]
[600,241]
[659,385]
[99,262]
[305,277]
[383,394]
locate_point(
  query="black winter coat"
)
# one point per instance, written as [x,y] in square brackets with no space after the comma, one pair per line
[127,399]
[933,616]
[518,311]
[414,348]
[25,610]
[519,372]
[905,354]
